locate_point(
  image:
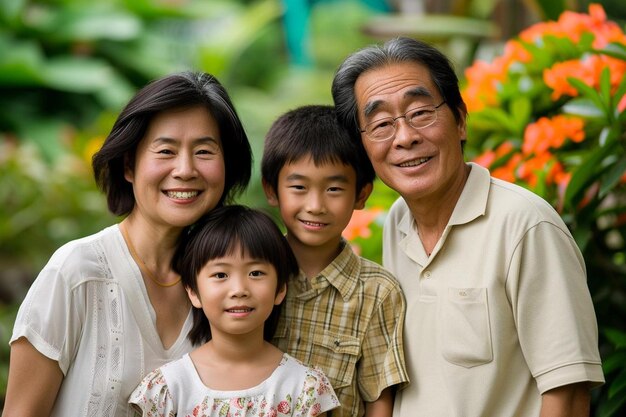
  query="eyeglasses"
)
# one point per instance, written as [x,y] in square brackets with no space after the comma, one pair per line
[383,129]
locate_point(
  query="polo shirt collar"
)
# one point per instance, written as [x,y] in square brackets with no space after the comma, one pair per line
[473,199]
[341,273]
[472,204]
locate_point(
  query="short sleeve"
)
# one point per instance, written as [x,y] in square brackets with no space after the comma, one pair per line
[152,398]
[553,309]
[317,395]
[51,315]
[382,364]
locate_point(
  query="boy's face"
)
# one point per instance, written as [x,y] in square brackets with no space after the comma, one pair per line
[316,202]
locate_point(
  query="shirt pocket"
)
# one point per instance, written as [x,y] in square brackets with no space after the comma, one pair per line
[337,355]
[466,332]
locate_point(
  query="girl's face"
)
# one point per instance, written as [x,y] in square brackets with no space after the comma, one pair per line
[178,173]
[237,294]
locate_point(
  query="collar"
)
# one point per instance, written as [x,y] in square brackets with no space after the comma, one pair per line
[342,273]
[472,202]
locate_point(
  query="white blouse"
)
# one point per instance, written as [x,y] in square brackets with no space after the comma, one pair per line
[292,389]
[89,310]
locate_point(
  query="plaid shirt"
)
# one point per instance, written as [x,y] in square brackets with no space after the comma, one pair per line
[348,321]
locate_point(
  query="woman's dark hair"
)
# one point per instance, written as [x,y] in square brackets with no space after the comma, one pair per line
[179,90]
[396,50]
[312,131]
[220,233]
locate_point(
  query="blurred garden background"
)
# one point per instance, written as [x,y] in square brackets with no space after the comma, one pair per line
[544,82]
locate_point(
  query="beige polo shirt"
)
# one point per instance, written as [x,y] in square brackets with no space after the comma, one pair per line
[499,313]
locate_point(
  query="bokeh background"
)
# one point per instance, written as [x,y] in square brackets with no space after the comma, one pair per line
[544,82]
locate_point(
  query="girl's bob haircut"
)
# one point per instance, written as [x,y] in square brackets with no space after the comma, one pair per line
[222,232]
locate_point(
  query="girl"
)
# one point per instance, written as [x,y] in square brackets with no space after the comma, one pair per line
[108,308]
[234,266]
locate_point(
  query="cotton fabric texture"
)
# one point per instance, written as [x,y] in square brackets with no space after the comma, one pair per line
[499,313]
[349,323]
[89,310]
[176,389]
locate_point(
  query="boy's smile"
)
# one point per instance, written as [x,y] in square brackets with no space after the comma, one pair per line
[316,203]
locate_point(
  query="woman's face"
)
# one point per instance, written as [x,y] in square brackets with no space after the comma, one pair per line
[179,172]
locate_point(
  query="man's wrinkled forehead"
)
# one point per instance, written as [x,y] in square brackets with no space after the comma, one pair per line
[417,91]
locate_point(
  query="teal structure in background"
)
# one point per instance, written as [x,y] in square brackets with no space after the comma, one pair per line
[296,23]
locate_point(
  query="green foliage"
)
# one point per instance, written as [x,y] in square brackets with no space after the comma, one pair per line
[7,318]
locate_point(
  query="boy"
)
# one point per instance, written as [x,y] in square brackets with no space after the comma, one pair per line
[343,313]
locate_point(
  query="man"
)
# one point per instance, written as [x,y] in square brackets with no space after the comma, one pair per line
[499,317]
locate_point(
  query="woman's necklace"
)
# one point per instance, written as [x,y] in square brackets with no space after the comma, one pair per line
[142,265]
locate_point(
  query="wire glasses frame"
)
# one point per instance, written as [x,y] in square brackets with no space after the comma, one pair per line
[418,118]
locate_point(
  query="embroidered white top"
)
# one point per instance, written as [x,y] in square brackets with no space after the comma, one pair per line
[89,310]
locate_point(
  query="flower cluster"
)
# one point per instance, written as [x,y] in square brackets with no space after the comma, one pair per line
[539,109]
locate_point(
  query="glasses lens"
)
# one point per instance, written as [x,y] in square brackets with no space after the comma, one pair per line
[381,129]
[422,117]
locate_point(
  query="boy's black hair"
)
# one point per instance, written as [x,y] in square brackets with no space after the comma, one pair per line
[312,131]
[221,232]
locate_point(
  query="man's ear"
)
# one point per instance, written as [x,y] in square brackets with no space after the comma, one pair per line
[280,295]
[270,194]
[195,301]
[363,196]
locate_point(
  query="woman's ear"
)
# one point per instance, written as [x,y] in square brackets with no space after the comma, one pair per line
[129,172]
[195,301]
[280,295]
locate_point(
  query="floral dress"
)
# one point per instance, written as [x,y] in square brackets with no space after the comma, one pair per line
[176,389]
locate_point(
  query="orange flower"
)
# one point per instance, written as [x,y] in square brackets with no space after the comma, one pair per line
[484,78]
[507,171]
[528,170]
[573,25]
[587,70]
[552,133]
[360,222]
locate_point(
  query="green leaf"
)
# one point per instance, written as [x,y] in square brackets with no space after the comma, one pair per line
[551,9]
[618,386]
[605,89]
[588,170]
[521,110]
[11,9]
[93,22]
[20,62]
[583,107]
[588,92]
[612,177]
[77,74]
[616,360]
[611,407]
[616,337]
[614,49]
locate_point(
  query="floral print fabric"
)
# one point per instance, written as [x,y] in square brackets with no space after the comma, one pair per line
[176,390]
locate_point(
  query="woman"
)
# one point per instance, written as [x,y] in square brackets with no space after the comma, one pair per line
[107,309]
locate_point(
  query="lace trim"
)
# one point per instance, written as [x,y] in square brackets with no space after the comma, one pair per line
[107,318]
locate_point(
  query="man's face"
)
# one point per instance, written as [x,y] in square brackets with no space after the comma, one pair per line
[417,163]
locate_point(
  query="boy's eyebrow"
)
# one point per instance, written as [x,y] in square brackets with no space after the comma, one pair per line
[300,177]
